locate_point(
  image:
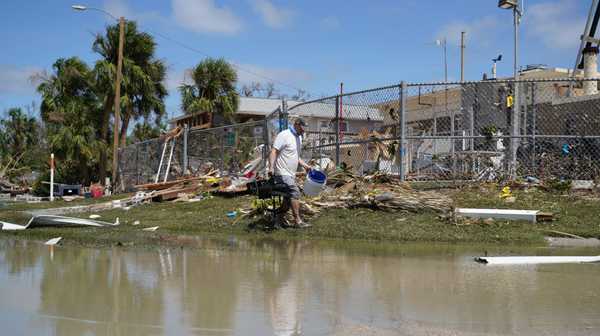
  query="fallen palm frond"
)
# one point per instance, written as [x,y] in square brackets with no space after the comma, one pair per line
[378,192]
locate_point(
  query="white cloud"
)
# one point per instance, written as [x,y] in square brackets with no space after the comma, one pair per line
[176,77]
[556,24]
[204,16]
[479,31]
[272,16]
[331,23]
[16,80]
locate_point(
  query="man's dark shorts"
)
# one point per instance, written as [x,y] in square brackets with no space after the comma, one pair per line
[290,183]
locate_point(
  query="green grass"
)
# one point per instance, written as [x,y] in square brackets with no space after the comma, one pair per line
[181,222]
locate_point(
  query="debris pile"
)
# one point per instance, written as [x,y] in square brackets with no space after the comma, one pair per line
[344,190]
[382,192]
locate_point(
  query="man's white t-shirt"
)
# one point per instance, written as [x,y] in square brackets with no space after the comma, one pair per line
[289,147]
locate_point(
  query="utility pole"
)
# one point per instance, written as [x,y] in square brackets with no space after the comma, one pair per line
[118,101]
[517,103]
[462,56]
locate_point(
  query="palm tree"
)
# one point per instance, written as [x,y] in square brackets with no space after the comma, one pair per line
[70,111]
[145,131]
[213,90]
[142,89]
[76,145]
[19,132]
[71,80]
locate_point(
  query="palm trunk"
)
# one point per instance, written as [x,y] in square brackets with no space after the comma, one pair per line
[126,119]
[104,137]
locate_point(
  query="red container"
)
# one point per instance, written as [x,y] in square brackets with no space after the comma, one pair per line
[96,191]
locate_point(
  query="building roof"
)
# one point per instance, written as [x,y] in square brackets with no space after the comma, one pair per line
[327,111]
[265,106]
[261,106]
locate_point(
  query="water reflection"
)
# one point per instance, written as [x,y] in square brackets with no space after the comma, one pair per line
[288,288]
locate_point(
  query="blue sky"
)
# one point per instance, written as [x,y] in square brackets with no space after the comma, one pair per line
[308,44]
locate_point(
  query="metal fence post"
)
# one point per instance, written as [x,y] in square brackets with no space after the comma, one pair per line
[137,165]
[533,128]
[186,130]
[337,131]
[267,145]
[222,131]
[283,119]
[515,130]
[402,147]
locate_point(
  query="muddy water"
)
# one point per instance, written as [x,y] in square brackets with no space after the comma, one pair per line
[291,288]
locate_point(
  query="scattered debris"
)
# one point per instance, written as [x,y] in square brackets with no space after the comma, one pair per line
[527,215]
[60,221]
[582,185]
[11,227]
[564,234]
[506,193]
[137,222]
[151,229]
[53,241]
[56,221]
[28,198]
[535,260]
[232,214]
[344,190]
[572,242]
[94,216]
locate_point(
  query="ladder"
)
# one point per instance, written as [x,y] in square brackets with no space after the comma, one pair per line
[170,137]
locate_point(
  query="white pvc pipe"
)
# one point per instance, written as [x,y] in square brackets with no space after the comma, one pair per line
[536,260]
[51,177]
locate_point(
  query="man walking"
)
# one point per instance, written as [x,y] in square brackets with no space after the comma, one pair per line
[283,164]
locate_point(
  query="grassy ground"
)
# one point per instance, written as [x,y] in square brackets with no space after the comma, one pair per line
[180,222]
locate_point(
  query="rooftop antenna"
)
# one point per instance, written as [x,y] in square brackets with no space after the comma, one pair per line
[495,60]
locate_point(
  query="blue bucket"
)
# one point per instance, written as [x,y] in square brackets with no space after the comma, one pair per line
[317,176]
[314,183]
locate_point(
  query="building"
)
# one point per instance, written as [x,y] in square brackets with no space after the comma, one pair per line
[319,116]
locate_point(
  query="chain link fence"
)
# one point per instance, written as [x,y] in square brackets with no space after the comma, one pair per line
[488,130]
[546,128]
[227,149]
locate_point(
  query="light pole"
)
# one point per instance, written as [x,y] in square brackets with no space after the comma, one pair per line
[444,44]
[117,86]
[514,5]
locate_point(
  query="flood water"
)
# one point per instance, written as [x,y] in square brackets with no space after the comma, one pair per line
[236,287]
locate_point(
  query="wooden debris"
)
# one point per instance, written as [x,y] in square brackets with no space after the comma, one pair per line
[564,234]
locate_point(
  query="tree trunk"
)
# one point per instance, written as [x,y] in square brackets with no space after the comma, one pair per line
[104,137]
[126,119]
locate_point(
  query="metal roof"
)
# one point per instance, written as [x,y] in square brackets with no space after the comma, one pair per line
[266,106]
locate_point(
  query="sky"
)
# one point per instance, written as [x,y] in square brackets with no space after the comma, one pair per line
[309,44]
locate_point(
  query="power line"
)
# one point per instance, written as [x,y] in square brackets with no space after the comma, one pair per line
[238,67]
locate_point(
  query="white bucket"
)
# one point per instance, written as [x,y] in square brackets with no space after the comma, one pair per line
[314,183]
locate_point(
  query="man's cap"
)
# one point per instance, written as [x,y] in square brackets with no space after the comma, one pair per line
[300,121]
